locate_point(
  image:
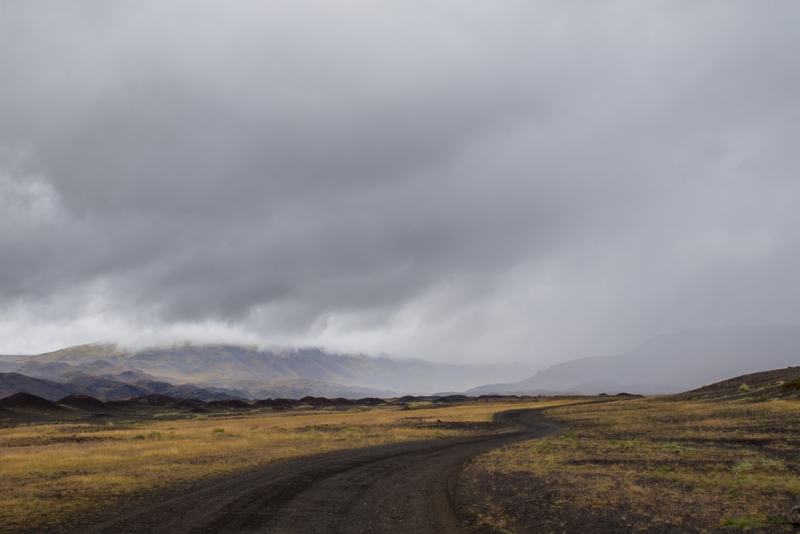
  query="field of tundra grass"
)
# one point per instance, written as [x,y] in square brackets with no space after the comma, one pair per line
[654,465]
[52,471]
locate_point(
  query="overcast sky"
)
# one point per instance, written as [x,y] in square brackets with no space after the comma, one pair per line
[455,181]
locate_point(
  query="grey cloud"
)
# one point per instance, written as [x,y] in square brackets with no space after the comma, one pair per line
[386,168]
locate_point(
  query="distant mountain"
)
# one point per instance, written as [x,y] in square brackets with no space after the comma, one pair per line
[65,372]
[11,383]
[255,371]
[7,367]
[669,363]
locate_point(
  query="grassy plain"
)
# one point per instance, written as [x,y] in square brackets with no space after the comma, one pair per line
[645,465]
[49,472]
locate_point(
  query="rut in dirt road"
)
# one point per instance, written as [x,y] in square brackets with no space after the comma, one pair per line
[402,488]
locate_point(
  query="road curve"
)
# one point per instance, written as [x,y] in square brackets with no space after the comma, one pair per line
[402,488]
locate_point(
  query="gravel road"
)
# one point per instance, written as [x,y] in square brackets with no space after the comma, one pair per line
[399,488]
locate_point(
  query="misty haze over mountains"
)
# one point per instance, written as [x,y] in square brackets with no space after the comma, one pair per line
[665,364]
[252,373]
[669,363]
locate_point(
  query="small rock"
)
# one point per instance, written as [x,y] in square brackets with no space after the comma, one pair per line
[794,515]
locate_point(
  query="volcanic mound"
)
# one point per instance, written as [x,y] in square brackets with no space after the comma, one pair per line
[83,402]
[30,402]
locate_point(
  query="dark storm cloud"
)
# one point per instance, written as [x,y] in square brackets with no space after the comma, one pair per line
[515,180]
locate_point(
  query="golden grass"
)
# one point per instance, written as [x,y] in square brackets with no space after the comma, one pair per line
[48,472]
[652,461]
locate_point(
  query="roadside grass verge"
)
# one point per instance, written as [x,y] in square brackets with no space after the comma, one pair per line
[647,463]
[49,472]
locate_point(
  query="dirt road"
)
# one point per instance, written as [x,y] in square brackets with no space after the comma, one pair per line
[402,488]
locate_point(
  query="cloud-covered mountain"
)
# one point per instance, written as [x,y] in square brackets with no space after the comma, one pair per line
[670,363]
[665,364]
[262,373]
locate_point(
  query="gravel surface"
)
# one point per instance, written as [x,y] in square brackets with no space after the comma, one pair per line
[402,488]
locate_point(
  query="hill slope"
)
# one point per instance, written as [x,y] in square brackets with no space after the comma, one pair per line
[764,385]
[101,388]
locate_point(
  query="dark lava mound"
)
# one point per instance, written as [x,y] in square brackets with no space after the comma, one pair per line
[341,401]
[370,401]
[453,398]
[30,402]
[154,399]
[186,404]
[411,398]
[317,401]
[83,402]
[275,404]
[232,403]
